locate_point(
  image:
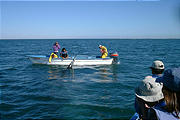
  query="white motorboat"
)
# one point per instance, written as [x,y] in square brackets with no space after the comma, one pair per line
[78,60]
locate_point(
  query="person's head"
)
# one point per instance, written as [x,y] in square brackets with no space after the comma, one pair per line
[157,67]
[63,50]
[100,46]
[148,93]
[56,43]
[171,89]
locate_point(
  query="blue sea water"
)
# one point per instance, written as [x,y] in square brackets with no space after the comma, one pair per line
[31,91]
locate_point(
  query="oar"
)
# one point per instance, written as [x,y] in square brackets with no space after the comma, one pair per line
[71,64]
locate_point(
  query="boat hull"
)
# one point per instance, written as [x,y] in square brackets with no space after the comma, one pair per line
[79,60]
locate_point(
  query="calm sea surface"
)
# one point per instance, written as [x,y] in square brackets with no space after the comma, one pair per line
[29,91]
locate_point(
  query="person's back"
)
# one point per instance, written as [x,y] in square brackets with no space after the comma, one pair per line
[103,51]
[171,91]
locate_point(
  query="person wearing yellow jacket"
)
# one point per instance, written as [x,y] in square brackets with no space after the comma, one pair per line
[104,52]
[53,55]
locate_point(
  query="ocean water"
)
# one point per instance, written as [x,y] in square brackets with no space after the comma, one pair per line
[31,91]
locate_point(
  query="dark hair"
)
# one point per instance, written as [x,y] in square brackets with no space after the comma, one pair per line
[172,100]
[56,43]
[63,49]
[143,113]
[157,71]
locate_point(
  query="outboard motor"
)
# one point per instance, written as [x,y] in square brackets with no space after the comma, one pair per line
[115,57]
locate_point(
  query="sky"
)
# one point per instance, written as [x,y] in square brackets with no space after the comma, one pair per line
[89,19]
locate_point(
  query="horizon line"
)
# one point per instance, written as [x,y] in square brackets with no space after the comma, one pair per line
[79,38]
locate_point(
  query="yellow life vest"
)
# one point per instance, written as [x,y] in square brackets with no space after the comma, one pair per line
[53,55]
[105,52]
[104,49]
[104,55]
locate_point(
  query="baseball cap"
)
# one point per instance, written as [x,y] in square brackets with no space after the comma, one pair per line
[157,65]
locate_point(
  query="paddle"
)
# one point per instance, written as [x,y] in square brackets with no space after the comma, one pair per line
[71,64]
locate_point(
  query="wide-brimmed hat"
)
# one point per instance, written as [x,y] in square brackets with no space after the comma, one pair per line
[157,64]
[171,79]
[149,90]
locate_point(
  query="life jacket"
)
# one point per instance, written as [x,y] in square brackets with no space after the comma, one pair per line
[104,55]
[104,50]
[53,55]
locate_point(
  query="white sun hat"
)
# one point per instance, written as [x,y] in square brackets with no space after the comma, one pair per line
[149,90]
[100,45]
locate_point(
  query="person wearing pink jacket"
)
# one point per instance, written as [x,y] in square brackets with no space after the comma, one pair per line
[56,47]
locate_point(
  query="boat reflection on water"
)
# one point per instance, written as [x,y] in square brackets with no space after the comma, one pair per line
[107,73]
[114,69]
[58,72]
[84,73]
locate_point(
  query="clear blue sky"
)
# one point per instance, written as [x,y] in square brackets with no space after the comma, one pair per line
[87,19]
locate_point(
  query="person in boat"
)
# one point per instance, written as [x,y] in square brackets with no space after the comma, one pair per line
[53,55]
[157,68]
[104,52]
[63,53]
[148,94]
[56,48]
[171,92]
